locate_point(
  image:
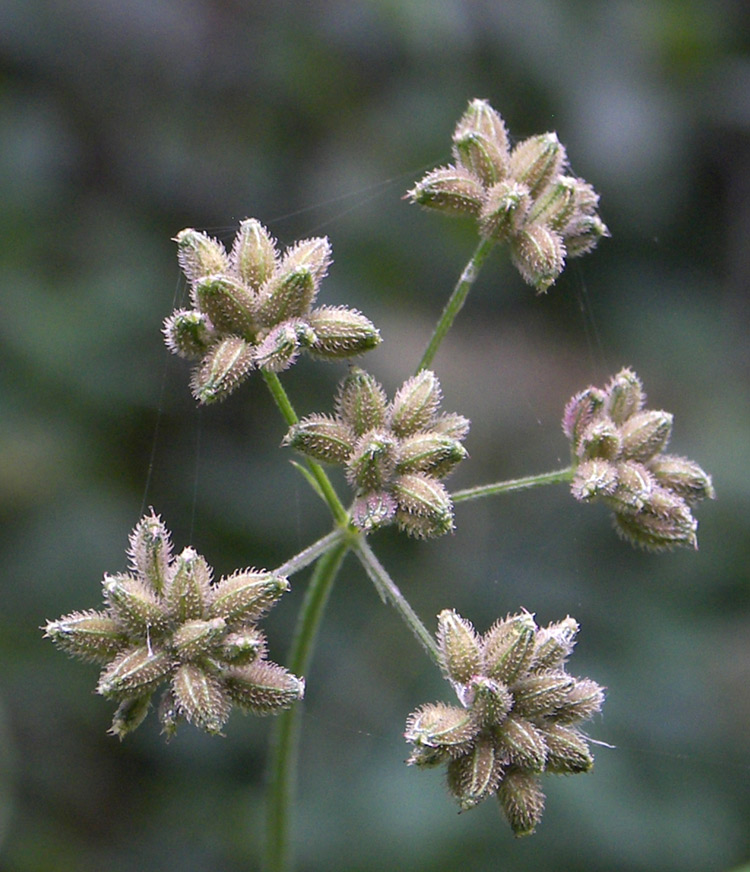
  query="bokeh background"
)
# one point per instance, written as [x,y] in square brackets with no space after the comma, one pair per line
[122,123]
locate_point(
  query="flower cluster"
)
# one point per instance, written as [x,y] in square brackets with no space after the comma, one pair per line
[168,622]
[253,307]
[518,714]
[394,453]
[523,196]
[618,451]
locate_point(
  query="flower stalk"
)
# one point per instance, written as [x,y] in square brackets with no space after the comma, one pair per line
[558,476]
[284,749]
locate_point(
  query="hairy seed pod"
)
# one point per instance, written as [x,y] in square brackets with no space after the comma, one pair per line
[459,646]
[480,143]
[253,254]
[222,370]
[451,190]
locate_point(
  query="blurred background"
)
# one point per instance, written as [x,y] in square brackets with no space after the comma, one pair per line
[122,123]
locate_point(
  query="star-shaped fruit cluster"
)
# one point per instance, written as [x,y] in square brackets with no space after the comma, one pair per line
[394,453]
[168,622]
[618,452]
[252,307]
[524,196]
[518,717]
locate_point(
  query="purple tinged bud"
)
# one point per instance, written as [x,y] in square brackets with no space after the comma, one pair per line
[600,440]
[424,507]
[453,425]
[253,254]
[580,412]
[594,479]
[645,434]
[429,452]
[624,396]
[582,235]
[374,510]
[222,370]
[540,694]
[200,255]
[287,295]
[490,700]
[664,523]
[308,255]
[459,646]
[682,477]
[415,404]
[196,638]
[554,644]
[133,602]
[244,646]
[150,551]
[555,206]
[583,701]
[282,346]
[452,190]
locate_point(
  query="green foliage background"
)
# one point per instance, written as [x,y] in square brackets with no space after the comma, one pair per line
[122,123]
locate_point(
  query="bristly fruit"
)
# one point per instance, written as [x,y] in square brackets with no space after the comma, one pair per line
[617,448]
[518,716]
[524,196]
[394,454]
[253,307]
[168,623]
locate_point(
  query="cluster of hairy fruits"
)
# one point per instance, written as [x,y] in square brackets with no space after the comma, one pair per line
[518,717]
[394,453]
[167,622]
[252,307]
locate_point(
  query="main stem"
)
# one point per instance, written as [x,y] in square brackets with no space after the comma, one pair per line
[456,300]
[283,764]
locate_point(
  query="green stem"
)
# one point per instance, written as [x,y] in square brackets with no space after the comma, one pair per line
[283,766]
[389,591]
[456,300]
[290,416]
[516,484]
[311,553]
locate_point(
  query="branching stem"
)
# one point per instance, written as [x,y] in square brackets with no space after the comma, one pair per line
[389,592]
